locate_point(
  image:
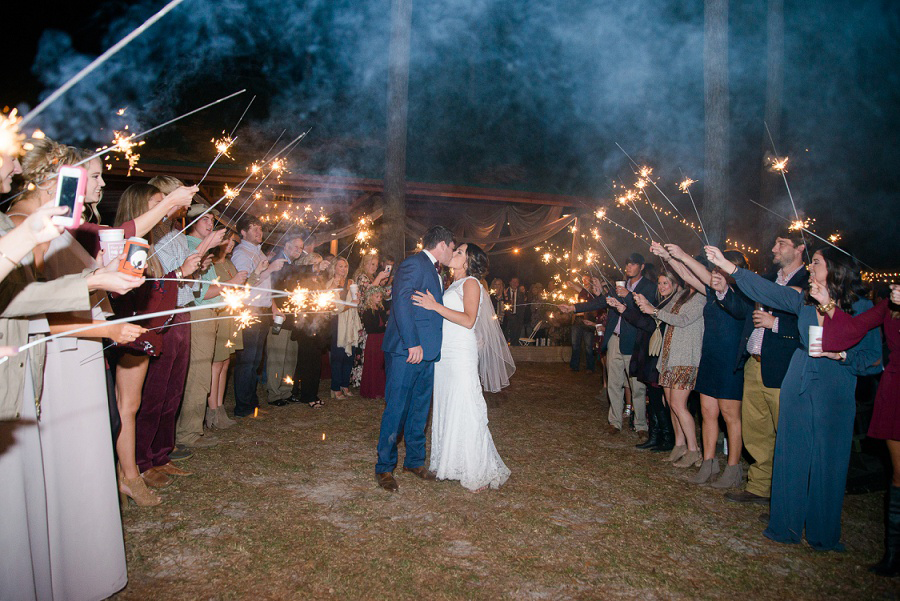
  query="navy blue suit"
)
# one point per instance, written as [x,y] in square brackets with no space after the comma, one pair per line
[409,387]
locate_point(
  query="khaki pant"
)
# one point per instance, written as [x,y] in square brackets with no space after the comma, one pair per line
[281,361]
[616,381]
[759,423]
[199,377]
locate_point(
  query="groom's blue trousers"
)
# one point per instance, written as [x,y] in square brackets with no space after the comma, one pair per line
[407,396]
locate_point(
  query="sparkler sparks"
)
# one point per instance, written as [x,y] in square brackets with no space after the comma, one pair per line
[288,380]
[10,137]
[779,164]
[685,185]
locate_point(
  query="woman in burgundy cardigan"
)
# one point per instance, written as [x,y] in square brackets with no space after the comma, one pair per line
[842,331]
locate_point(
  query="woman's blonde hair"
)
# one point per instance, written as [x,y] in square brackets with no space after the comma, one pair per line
[42,162]
[135,201]
[334,264]
[361,269]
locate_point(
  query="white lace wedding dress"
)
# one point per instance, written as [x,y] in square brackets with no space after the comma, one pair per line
[461,444]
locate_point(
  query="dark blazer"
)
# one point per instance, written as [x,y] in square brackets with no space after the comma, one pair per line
[777,348]
[409,325]
[643,366]
[628,332]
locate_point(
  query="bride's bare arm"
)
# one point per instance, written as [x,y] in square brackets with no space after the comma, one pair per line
[464,318]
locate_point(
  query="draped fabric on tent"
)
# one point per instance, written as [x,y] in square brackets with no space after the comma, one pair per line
[483,226]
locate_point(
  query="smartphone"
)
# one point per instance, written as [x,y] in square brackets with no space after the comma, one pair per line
[387,268]
[70,191]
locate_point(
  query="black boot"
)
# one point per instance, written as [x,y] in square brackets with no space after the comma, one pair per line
[653,429]
[666,433]
[890,563]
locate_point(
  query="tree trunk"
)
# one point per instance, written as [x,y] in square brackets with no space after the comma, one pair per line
[769,182]
[393,237]
[715,58]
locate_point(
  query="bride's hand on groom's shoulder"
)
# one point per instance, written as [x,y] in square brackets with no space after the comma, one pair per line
[424,300]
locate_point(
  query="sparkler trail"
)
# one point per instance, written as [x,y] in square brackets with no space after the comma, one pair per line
[811,233]
[98,61]
[779,165]
[278,139]
[284,151]
[685,186]
[602,215]
[222,152]
[198,218]
[231,135]
[612,258]
[664,195]
[130,139]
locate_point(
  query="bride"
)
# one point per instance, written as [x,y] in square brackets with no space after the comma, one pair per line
[473,348]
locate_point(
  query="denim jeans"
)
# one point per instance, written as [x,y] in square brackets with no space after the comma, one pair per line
[582,336]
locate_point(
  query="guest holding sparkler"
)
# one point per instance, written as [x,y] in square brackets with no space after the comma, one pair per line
[679,349]
[768,341]
[720,380]
[619,345]
[365,276]
[41,545]
[228,338]
[374,319]
[167,376]
[643,364]
[344,329]
[841,332]
[249,257]
[281,349]
[583,329]
[312,331]
[815,422]
[204,327]
[147,406]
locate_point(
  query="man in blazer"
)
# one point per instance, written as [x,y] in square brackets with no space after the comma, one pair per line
[412,344]
[618,343]
[769,341]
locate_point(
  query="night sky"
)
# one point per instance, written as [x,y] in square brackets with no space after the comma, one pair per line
[513,94]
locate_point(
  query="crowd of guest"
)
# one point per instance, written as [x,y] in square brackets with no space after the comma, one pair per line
[150,392]
[752,349]
[131,396]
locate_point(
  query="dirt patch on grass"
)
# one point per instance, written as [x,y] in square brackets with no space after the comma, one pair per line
[279,511]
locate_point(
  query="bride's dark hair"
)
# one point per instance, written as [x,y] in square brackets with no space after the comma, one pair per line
[476,261]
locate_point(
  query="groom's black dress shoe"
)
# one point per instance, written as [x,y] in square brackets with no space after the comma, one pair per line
[420,472]
[386,481]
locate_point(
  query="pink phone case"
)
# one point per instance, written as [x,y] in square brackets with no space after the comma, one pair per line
[80,191]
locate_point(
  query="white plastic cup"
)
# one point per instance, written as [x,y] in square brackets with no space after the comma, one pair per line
[815,341]
[279,321]
[620,283]
[112,242]
[354,292]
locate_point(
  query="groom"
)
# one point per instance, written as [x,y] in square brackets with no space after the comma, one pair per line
[412,344]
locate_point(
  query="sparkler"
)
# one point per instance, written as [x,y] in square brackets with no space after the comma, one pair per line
[99,61]
[122,145]
[648,171]
[236,125]
[223,145]
[779,165]
[801,226]
[131,319]
[685,187]
[601,214]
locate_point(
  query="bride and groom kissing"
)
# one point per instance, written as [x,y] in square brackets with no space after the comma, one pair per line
[443,344]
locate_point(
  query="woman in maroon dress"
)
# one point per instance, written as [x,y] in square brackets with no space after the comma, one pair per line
[374,318]
[842,331]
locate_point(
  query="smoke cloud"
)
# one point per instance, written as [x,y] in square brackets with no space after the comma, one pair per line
[529,94]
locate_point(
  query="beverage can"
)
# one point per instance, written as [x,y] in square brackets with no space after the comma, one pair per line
[135,256]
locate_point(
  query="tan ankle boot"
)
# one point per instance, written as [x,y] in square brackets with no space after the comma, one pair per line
[222,419]
[136,490]
[676,454]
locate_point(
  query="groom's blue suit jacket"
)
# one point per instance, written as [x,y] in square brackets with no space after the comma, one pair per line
[409,325]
